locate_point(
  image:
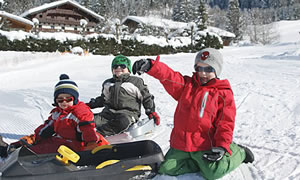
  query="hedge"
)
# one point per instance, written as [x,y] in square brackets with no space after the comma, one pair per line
[104,46]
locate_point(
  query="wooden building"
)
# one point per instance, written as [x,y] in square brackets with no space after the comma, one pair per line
[12,22]
[63,16]
[133,22]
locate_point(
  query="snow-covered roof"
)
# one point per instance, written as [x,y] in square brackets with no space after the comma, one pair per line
[157,22]
[58,3]
[15,17]
[160,22]
[219,32]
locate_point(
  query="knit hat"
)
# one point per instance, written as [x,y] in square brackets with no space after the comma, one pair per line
[120,59]
[66,85]
[211,57]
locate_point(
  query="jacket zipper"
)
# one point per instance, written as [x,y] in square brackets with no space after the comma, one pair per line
[203,104]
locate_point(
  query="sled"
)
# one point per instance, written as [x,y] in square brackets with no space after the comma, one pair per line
[116,161]
[138,131]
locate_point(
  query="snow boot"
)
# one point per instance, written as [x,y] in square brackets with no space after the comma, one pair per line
[249,155]
[3,148]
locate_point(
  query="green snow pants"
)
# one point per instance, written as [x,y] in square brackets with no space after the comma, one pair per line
[180,162]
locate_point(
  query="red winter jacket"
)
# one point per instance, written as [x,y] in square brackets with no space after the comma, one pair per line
[204,116]
[73,127]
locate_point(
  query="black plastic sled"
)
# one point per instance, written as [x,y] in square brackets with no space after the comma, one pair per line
[117,161]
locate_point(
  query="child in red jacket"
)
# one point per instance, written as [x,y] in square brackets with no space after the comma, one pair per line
[70,123]
[201,140]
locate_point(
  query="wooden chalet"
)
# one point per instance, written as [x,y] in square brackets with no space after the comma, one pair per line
[133,22]
[12,22]
[63,16]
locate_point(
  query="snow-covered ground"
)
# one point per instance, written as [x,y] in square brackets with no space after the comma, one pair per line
[265,81]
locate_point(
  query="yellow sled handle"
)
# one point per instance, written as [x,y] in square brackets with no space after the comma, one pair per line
[106,163]
[66,154]
[140,168]
[99,148]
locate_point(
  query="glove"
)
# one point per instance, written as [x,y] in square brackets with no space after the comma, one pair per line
[155,117]
[141,66]
[28,140]
[93,100]
[215,154]
[3,148]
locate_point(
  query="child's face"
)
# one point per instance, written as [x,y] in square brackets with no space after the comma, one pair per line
[120,69]
[205,72]
[65,100]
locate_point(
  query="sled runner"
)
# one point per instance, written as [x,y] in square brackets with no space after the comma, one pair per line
[117,161]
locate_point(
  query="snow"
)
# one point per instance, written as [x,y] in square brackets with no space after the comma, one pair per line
[83,22]
[18,18]
[265,81]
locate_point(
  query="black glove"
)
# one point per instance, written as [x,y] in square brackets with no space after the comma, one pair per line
[141,66]
[215,154]
[3,148]
[92,101]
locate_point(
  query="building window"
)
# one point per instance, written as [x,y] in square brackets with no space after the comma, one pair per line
[67,18]
[63,27]
[52,27]
[41,15]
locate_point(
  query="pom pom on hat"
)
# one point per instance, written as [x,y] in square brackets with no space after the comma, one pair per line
[211,57]
[63,76]
[66,86]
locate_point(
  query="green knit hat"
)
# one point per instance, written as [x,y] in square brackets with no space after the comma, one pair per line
[120,59]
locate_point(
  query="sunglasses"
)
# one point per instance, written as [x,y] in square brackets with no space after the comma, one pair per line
[123,66]
[67,99]
[207,69]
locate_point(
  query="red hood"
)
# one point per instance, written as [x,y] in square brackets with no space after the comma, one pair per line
[214,83]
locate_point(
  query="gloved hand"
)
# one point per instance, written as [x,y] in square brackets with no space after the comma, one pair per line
[3,148]
[153,115]
[28,140]
[141,66]
[93,100]
[215,154]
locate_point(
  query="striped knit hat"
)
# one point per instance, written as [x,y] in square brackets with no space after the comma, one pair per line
[67,86]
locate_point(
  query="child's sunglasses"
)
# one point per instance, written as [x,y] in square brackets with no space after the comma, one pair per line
[67,99]
[207,69]
[123,66]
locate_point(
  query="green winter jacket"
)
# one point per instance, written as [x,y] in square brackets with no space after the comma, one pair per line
[124,94]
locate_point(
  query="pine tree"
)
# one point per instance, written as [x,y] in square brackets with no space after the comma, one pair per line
[201,16]
[19,6]
[235,20]
[179,11]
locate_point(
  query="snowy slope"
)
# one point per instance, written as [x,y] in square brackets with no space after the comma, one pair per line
[265,81]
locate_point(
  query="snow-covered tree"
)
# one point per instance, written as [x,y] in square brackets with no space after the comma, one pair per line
[235,20]
[179,11]
[201,16]
[83,24]
[217,18]
[2,4]
[259,27]
[19,6]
